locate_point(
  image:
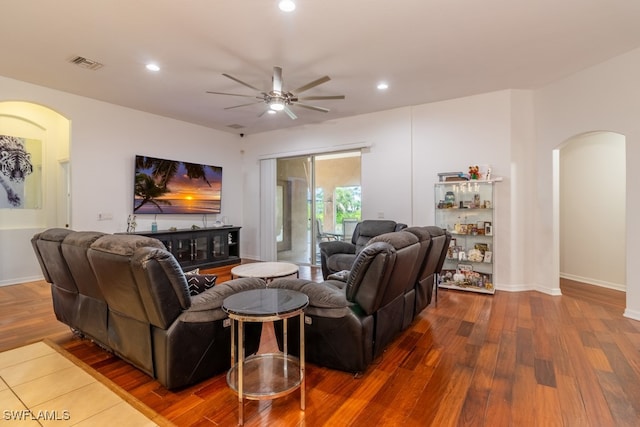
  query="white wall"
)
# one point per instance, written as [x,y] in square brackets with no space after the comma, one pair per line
[409,146]
[592,209]
[104,140]
[602,98]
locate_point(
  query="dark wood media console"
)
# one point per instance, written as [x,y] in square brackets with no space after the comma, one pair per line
[202,247]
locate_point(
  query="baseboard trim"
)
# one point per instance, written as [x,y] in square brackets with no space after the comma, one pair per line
[524,288]
[19,280]
[632,314]
[595,282]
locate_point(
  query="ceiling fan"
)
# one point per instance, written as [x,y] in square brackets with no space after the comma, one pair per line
[279,100]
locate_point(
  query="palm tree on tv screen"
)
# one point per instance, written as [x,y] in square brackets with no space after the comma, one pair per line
[147,190]
[150,187]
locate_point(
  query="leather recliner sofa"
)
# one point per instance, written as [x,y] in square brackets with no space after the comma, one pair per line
[141,309]
[336,256]
[348,324]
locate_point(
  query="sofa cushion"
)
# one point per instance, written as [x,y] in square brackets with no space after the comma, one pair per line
[340,262]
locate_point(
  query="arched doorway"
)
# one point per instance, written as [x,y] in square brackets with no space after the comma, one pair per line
[591,202]
[46,133]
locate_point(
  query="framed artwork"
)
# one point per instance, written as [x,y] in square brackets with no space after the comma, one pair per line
[488,256]
[20,173]
[488,229]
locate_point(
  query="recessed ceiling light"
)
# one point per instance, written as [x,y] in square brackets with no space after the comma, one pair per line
[153,67]
[287,5]
[271,111]
[382,86]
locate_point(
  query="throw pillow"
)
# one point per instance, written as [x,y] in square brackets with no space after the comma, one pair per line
[199,283]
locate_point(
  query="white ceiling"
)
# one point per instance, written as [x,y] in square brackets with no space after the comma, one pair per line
[427,50]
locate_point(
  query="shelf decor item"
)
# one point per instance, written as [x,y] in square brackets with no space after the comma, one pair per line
[468,265]
[474,172]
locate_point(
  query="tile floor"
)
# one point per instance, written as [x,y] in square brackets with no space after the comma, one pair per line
[40,387]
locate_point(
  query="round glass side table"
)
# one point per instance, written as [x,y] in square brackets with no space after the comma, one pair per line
[271,375]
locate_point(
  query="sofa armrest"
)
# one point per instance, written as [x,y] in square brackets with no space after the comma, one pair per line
[207,305]
[213,297]
[327,294]
[337,247]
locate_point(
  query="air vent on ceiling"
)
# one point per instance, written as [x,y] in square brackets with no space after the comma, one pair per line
[236,126]
[83,62]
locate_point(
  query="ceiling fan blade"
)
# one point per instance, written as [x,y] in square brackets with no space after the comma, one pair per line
[312,107]
[243,105]
[234,94]
[312,84]
[241,82]
[320,98]
[277,80]
[290,113]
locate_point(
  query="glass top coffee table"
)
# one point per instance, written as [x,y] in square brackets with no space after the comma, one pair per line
[272,375]
[265,270]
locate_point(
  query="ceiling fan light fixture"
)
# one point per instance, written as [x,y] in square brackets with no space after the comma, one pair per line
[277,104]
[287,5]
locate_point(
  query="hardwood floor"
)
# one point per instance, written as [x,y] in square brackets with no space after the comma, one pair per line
[512,359]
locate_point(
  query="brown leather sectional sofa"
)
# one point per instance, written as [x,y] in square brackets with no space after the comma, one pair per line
[130,296]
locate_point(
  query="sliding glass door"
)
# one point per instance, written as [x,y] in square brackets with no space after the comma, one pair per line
[318,198]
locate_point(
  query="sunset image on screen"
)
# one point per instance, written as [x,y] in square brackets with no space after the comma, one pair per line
[171,187]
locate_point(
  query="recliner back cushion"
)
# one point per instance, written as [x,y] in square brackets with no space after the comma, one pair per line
[404,274]
[370,275]
[162,285]
[125,244]
[426,246]
[48,245]
[369,228]
[110,257]
[74,249]
[118,285]
[439,245]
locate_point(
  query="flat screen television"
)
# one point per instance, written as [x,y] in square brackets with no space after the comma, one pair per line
[171,187]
